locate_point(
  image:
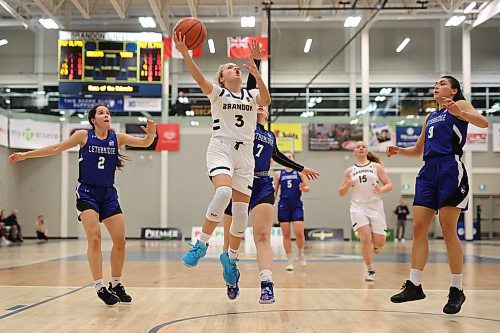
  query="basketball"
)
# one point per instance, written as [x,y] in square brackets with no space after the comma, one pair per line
[194,30]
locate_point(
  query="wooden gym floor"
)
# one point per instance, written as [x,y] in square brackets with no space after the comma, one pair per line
[48,288]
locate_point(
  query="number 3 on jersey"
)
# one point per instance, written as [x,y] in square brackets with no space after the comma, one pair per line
[239,120]
[100,164]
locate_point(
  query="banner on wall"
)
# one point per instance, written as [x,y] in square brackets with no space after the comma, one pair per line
[324,234]
[141,104]
[136,130]
[87,103]
[382,136]
[477,139]
[327,137]
[496,137]
[4,131]
[31,134]
[407,136]
[69,129]
[288,131]
[168,137]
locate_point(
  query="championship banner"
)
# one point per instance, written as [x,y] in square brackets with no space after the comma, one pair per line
[142,104]
[407,136]
[168,137]
[161,233]
[136,130]
[31,134]
[70,128]
[87,103]
[326,137]
[4,131]
[288,131]
[382,136]
[477,139]
[496,137]
[324,234]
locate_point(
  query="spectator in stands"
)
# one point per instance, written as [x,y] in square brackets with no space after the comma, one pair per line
[181,105]
[41,228]
[3,230]
[15,228]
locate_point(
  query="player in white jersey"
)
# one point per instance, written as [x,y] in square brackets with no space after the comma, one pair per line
[368,180]
[230,160]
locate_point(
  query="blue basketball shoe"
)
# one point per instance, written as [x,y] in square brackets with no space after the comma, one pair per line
[266,292]
[230,271]
[198,251]
[233,291]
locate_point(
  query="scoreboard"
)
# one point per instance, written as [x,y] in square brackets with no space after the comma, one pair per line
[110,63]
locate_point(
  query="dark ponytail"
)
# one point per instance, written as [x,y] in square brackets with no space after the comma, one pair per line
[459,96]
[121,158]
[374,158]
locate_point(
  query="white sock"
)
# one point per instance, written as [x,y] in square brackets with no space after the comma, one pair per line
[204,238]
[99,284]
[233,254]
[115,281]
[301,253]
[369,267]
[456,281]
[416,276]
[290,258]
[266,275]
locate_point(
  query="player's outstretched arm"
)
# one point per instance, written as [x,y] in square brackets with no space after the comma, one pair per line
[205,85]
[78,138]
[413,151]
[129,140]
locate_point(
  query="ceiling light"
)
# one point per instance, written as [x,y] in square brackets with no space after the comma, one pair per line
[403,44]
[470,7]
[455,21]
[248,21]
[211,45]
[307,47]
[352,21]
[3,42]
[48,23]
[147,22]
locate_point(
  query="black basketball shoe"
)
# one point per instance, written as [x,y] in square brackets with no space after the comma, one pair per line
[456,298]
[409,292]
[119,291]
[107,297]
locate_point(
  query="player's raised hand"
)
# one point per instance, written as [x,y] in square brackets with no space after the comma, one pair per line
[180,42]
[251,67]
[256,50]
[150,128]
[311,174]
[452,107]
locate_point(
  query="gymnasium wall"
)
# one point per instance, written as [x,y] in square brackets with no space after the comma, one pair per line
[34,186]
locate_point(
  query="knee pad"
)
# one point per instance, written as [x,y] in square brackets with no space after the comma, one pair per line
[219,203]
[240,219]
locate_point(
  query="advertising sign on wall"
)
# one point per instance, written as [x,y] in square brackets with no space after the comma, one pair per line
[31,134]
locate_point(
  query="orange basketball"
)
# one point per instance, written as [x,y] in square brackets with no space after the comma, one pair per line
[194,30]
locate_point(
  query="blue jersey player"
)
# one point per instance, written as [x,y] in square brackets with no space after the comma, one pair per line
[262,198]
[97,200]
[441,186]
[291,210]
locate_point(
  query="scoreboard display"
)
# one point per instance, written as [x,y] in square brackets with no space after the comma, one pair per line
[110,63]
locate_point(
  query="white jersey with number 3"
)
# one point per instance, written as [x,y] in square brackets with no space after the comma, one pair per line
[363,179]
[234,116]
